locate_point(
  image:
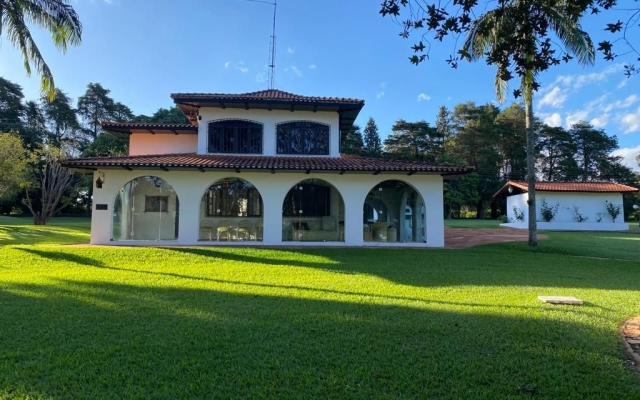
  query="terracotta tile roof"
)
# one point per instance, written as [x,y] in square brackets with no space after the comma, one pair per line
[271,94]
[563,186]
[143,125]
[248,162]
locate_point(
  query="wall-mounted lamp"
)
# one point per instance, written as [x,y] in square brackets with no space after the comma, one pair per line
[100,180]
[510,189]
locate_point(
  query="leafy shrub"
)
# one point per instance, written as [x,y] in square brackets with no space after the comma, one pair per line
[614,210]
[503,219]
[518,214]
[577,216]
[548,212]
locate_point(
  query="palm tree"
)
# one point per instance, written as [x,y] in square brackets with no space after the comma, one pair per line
[56,16]
[490,32]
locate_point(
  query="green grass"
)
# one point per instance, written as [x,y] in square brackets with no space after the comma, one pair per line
[108,322]
[472,223]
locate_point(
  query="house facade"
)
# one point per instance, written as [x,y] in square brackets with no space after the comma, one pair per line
[260,168]
[579,206]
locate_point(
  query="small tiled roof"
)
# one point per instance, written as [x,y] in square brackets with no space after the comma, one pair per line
[124,129]
[563,186]
[343,163]
[271,94]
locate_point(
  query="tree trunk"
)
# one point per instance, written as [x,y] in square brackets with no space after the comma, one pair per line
[531,171]
[480,210]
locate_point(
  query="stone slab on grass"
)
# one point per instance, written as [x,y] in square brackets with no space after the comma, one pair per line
[561,300]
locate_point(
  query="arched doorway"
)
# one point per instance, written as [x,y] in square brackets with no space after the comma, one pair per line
[313,211]
[231,210]
[146,208]
[394,211]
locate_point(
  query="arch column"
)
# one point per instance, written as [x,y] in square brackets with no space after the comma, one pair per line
[433,195]
[189,217]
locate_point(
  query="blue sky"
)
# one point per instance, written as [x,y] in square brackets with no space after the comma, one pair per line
[325,48]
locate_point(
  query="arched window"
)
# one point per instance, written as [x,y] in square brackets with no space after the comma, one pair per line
[231,209]
[146,208]
[303,137]
[235,137]
[313,211]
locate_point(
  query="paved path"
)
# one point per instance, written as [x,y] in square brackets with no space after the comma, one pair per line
[460,238]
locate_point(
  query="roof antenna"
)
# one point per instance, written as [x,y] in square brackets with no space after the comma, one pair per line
[272,45]
[272,52]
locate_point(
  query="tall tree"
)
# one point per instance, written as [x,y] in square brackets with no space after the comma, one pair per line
[518,37]
[593,151]
[94,106]
[11,108]
[510,124]
[62,121]
[414,141]
[51,180]
[476,144]
[171,115]
[556,151]
[56,16]
[14,162]
[444,127]
[352,141]
[372,142]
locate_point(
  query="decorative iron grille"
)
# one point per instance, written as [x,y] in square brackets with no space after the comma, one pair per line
[303,137]
[235,136]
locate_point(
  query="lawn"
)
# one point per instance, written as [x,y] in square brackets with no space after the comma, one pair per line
[106,322]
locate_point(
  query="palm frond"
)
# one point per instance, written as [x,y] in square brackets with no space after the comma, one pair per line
[19,35]
[57,17]
[481,37]
[576,41]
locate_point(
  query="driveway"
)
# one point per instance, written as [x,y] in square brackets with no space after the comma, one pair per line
[460,238]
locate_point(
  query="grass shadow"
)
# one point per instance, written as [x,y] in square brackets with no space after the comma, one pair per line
[129,341]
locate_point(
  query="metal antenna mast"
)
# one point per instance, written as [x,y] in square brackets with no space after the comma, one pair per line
[272,54]
[272,45]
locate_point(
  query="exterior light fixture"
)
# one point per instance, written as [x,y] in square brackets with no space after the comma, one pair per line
[100,180]
[510,189]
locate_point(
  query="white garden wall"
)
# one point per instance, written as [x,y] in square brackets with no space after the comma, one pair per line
[269,119]
[191,185]
[592,206]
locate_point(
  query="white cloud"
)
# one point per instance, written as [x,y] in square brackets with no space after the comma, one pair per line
[226,65]
[291,50]
[108,1]
[554,98]
[261,77]
[629,155]
[448,98]
[313,66]
[601,121]
[630,122]
[240,67]
[577,81]
[383,84]
[424,97]
[622,83]
[553,120]
[380,94]
[296,71]
[575,117]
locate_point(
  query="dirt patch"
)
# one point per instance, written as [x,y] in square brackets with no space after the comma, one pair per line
[460,238]
[631,336]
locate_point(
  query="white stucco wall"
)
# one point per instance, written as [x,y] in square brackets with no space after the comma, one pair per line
[589,205]
[269,119]
[191,185]
[145,143]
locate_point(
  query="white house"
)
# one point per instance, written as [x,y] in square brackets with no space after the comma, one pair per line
[580,206]
[260,168]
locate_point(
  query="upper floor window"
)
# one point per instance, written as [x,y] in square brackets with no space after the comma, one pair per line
[235,136]
[303,137]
